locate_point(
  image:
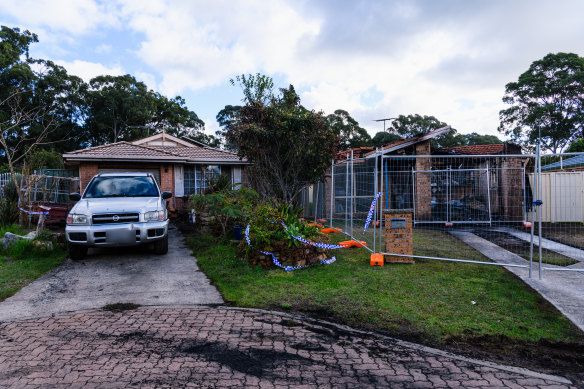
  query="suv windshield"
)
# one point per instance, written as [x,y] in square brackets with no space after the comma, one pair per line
[122,187]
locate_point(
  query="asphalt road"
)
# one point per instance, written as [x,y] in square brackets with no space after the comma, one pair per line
[120,275]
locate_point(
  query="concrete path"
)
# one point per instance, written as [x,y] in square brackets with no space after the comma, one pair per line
[108,276]
[224,347]
[563,289]
[557,247]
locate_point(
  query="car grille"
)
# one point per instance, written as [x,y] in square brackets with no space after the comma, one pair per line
[115,218]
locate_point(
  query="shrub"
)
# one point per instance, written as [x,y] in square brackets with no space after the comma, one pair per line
[8,212]
[227,206]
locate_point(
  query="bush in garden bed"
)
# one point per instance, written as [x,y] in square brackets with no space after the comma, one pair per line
[268,234]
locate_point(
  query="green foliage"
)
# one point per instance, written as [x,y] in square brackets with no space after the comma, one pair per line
[289,147]
[226,206]
[45,159]
[478,139]
[413,125]
[549,96]
[227,118]
[382,138]
[219,183]
[576,146]
[256,88]
[9,191]
[350,134]
[266,225]
[8,212]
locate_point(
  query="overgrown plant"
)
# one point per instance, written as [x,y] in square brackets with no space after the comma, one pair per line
[226,206]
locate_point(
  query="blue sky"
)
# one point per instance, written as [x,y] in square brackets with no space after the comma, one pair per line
[375,59]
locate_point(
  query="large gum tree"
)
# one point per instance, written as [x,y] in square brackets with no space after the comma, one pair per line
[549,97]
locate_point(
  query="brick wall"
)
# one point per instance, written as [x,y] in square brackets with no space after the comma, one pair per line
[423,195]
[399,240]
[86,172]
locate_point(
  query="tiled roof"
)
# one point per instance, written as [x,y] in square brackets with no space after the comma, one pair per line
[358,152]
[123,149]
[140,152]
[476,149]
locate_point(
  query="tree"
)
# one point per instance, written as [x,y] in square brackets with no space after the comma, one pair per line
[413,125]
[383,138]
[227,118]
[576,146]
[116,104]
[289,146]
[477,139]
[30,104]
[123,108]
[350,134]
[549,97]
[256,88]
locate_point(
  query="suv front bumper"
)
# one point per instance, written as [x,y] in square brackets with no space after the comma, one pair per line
[111,235]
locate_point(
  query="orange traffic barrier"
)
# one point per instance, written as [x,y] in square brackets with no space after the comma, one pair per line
[330,230]
[353,243]
[376,260]
[316,225]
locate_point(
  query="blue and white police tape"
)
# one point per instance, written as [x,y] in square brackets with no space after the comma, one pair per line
[370,214]
[45,213]
[315,244]
[275,260]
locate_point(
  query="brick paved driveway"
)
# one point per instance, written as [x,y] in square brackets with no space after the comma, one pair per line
[220,347]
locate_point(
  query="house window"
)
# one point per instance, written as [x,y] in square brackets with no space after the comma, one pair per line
[196,177]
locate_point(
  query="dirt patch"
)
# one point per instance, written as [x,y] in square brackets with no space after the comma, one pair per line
[120,307]
[571,234]
[561,358]
[522,248]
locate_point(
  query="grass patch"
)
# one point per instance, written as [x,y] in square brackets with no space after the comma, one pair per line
[22,263]
[430,301]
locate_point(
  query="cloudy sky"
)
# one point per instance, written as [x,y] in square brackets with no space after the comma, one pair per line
[375,59]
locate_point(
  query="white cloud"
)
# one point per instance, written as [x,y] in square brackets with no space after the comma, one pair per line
[71,16]
[88,70]
[448,59]
[103,49]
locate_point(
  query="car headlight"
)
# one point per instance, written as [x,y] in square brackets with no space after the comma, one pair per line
[154,216]
[75,218]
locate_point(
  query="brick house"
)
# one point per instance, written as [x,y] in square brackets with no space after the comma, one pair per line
[481,183]
[180,166]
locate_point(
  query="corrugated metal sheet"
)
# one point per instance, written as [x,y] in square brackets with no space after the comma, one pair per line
[562,196]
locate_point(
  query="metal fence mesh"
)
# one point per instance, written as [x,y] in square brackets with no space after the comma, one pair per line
[472,208]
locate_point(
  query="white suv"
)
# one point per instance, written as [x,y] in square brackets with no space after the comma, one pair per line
[118,209]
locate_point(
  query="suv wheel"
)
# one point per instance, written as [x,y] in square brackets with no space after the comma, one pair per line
[77,253]
[161,246]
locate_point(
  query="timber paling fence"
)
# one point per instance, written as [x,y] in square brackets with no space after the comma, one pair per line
[522,210]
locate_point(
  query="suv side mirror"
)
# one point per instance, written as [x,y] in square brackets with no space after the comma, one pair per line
[74,196]
[166,195]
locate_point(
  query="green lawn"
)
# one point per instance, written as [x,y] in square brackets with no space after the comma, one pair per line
[429,300]
[22,264]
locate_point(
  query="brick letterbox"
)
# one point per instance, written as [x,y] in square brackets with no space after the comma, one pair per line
[399,236]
